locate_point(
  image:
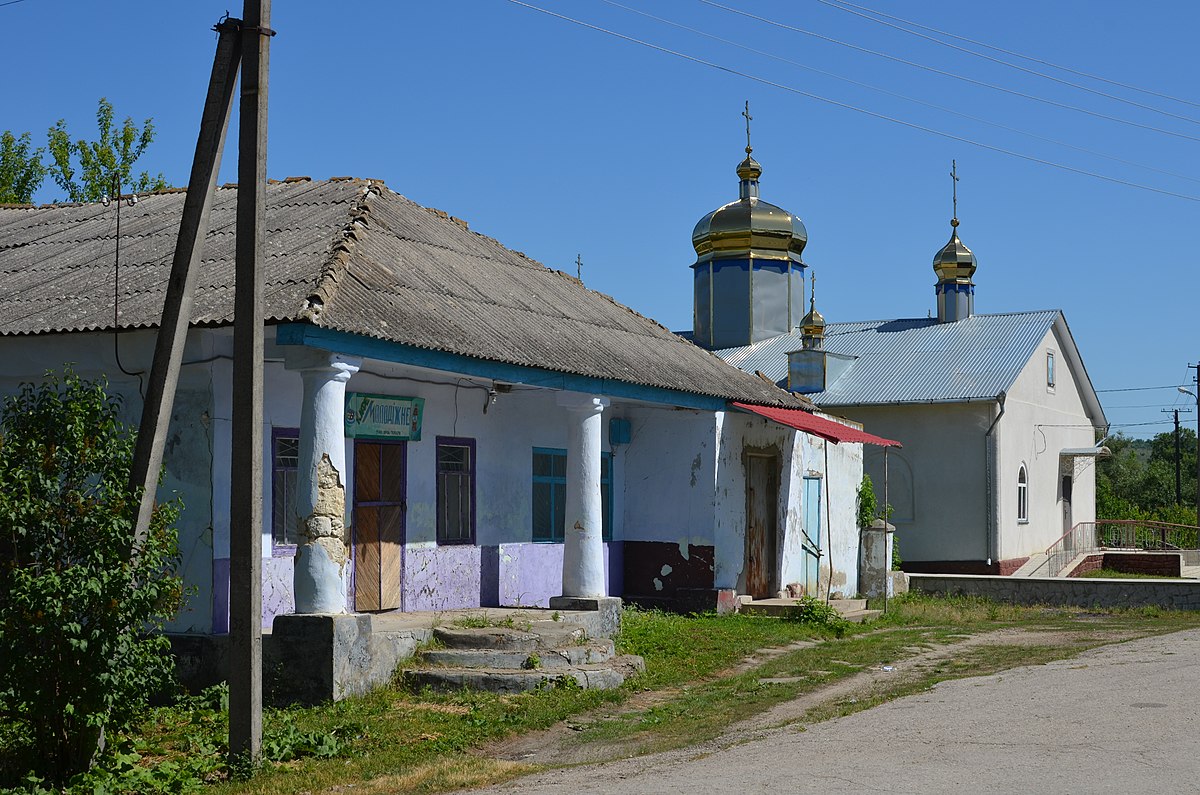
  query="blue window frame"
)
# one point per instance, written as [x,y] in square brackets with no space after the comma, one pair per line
[455,490]
[550,494]
[285,452]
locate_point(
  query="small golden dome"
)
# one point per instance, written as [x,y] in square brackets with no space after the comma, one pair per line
[749,168]
[749,228]
[813,323]
[954,262]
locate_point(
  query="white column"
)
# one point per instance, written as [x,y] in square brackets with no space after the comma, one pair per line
[322,556]
[583,547]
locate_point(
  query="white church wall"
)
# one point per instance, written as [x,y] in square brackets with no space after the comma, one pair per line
[943,494]
[1038,423]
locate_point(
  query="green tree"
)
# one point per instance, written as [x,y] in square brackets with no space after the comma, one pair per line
[21,170]
[81,614]
[98,162]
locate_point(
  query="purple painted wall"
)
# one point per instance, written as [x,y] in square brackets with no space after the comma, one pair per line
[528,574]
[440,578]
[276,592]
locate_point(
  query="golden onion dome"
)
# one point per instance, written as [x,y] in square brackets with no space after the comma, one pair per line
[813,323]
[749,228]
[954,261]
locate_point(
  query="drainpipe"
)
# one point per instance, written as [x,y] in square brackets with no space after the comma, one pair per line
[991,463]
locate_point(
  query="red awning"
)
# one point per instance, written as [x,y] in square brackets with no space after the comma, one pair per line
[817,426]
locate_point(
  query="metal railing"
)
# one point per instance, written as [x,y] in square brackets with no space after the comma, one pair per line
[1117,534]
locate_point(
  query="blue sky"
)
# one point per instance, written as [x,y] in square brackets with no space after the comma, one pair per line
[560,140]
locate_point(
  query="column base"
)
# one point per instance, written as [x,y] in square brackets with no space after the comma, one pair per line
[607,608]
[314,658]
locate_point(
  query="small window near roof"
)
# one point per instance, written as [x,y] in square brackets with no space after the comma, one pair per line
[1050,369]
[1022,495]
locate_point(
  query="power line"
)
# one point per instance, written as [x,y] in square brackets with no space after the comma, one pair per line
[1140,388]
[835,4]
[11,3]
[944,73]
[864,111]
[1029,58]
[890,93]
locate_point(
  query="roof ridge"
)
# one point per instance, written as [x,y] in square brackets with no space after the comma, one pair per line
[337,260]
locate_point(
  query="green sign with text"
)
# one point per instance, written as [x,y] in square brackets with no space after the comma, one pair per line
[383,417]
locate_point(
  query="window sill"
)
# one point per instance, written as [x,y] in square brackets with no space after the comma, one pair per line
[1022,521]
[283,551]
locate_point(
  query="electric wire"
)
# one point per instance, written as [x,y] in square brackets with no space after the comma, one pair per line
[897,95]
[835,4]
[1022,56]
[1140,388]
[944,73]
[864,111]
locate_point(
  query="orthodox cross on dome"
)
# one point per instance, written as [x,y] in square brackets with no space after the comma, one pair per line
[954,183]
[749,118]
[812,296]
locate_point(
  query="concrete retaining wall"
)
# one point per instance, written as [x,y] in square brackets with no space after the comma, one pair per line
[1085,592]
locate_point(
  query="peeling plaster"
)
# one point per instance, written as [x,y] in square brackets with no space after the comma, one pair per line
[325,526]
[666,569]
[658,586]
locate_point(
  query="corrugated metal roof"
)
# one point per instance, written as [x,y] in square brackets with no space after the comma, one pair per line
[352,256]
[912,360]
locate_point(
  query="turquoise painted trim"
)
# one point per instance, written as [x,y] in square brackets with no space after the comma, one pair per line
[368,347]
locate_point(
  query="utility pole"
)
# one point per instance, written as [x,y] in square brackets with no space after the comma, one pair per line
[177,307]
[245,520]
[1196,394]
[1178,474]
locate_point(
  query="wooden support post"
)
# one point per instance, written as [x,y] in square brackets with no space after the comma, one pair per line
[177,308]
[245,525]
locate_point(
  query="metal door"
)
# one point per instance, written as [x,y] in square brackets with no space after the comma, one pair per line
[379,506]
[762,502]
[812,534]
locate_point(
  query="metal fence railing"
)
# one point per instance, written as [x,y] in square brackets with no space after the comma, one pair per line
[1119,534]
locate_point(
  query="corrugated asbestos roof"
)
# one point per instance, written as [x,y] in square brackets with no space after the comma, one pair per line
[912,360]
[352,256]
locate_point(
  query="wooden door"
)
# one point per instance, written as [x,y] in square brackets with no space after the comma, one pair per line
[379,505]
[762,503]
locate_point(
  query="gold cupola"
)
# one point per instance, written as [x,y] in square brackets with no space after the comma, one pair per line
[954,265]
[812,325]
[748,273]
[954,262]
[749,228]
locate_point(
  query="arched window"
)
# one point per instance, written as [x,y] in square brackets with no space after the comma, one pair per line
[1022,495]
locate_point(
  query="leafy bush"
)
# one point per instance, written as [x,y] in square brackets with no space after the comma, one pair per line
[82,609]
[811,610]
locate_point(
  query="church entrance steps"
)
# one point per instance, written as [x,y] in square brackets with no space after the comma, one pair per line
[520,658]
[1031,567]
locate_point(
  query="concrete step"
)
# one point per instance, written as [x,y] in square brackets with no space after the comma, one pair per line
[848,605]
[561,657]
[551,635]
[600,676]
[1034,567]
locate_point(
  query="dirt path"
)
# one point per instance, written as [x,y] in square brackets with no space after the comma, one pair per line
[561,745]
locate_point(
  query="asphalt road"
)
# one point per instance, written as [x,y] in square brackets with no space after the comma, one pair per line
[1120,719]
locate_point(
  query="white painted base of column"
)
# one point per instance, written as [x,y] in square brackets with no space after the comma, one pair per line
[320,580]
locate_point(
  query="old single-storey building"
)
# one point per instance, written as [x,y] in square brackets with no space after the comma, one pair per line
[447,423]
[996,413]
